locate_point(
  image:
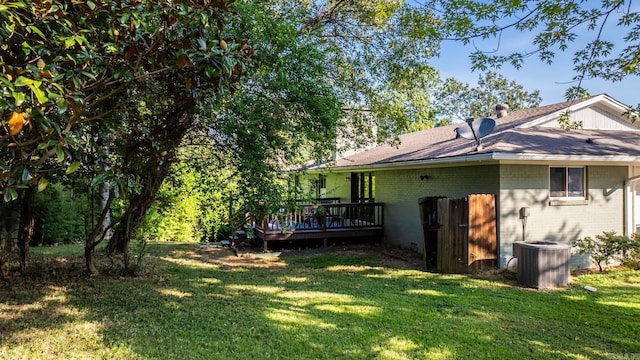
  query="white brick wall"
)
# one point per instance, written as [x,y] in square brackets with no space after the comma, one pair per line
[527,185]
[516,186]
[401,190]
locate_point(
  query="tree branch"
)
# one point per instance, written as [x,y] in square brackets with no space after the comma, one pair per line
[324,17]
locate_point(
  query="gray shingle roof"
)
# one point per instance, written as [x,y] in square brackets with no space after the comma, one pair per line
[506,138]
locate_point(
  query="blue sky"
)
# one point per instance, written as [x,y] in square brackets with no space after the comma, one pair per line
[552,80]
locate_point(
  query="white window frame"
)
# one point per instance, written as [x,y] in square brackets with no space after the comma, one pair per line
[567,197]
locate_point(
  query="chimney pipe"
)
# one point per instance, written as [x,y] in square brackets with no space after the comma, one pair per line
[502,110]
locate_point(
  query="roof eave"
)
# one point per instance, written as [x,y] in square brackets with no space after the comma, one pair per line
[506,158]
[489,158]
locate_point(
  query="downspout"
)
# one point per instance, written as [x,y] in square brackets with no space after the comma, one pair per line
[627,202]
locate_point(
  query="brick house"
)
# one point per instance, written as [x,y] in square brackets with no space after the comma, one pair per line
[574,183]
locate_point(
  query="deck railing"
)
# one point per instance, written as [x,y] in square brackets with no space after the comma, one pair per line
[321,201]
[327,216]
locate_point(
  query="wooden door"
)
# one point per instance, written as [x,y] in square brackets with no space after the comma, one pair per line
[466,234]
[459,227]
[430,227]
[482,249]
[453,215]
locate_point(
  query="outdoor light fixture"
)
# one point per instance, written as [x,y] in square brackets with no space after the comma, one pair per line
[425,177]
[348,178]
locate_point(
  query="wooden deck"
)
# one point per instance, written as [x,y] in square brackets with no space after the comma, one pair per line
[323,222]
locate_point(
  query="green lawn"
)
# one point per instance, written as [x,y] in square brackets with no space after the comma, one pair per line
[209,304]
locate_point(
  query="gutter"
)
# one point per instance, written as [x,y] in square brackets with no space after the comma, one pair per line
[495,157]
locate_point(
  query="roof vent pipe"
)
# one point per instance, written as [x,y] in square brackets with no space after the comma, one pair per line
[502,110]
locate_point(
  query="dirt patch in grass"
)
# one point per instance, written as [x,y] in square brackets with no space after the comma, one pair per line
[248,256]
[507,276]
[227,257]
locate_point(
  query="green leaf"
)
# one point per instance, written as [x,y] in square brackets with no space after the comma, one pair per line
[26,176]
[40,95]
[19,97]
[73,167]
[98,179]
[56,127]
[62,106]
[13,193]
[42,184]
[37,31]
[69,42]
[88,74]
[6,83]
[23,81]
[7,195]
[203,44]
[59,152]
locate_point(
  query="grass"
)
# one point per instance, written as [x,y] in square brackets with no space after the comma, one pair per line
[355,304]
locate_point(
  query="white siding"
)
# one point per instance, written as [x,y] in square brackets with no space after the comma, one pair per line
[594,118]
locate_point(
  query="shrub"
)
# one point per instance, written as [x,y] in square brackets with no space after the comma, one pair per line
[611,246]
[602,249]
[631,252]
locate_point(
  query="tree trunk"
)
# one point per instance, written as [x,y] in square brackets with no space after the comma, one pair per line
[9,216]
[25,231]
[98,233]
[152,167]
[139,203]
[104,198]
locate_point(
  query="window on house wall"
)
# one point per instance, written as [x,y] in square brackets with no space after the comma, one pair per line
[321,188]
[567,182]
[363,187]
[369,191]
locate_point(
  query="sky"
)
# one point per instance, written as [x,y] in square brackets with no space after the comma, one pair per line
[551,80]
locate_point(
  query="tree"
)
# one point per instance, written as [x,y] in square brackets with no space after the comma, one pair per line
[379,52]
[68,66]
[8,234]
[207,62]
[290,104]
[286,109]
[556,25]
[459,101]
